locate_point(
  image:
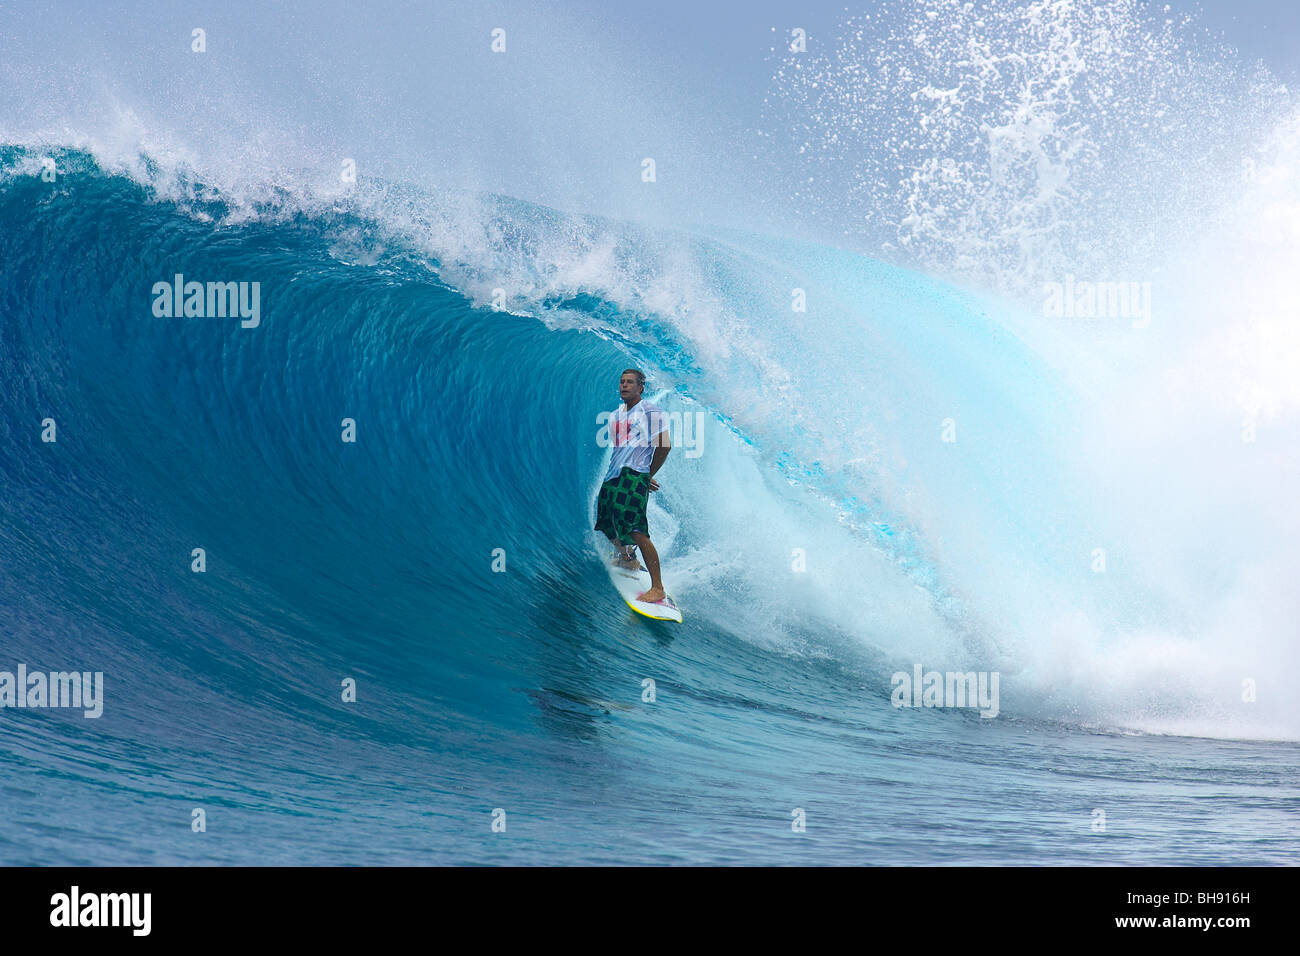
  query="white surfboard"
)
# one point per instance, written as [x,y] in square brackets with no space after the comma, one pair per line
[631,583]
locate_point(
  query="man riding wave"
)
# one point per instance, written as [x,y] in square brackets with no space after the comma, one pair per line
[639,431]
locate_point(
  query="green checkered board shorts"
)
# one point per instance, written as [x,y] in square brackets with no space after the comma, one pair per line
[621,505]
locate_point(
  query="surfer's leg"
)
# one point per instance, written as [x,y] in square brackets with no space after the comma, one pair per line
[626,554]
[631,502]
[607,521]
[656,592]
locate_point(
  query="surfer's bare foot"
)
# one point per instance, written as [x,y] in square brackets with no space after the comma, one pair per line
[653,596]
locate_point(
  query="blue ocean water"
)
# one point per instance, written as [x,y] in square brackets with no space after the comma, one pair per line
[521,689]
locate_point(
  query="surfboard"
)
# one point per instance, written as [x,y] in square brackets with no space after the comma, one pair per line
[631,583]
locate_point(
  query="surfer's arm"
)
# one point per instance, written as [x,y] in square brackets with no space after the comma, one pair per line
[663,445]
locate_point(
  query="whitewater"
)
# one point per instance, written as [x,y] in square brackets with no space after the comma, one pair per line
[335,563]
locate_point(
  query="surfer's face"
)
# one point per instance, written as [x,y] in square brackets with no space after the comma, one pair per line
[629,388]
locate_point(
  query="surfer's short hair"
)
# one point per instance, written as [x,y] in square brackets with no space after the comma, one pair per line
[640,375]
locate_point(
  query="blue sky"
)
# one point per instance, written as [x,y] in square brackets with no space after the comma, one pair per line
[589,89]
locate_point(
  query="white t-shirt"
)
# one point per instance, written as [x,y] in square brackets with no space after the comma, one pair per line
[633,433]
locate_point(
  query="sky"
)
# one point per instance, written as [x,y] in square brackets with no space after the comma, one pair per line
[587,91]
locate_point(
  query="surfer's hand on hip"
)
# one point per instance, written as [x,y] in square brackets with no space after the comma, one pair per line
[654,485]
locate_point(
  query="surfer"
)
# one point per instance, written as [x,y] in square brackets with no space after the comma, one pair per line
[639,431]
